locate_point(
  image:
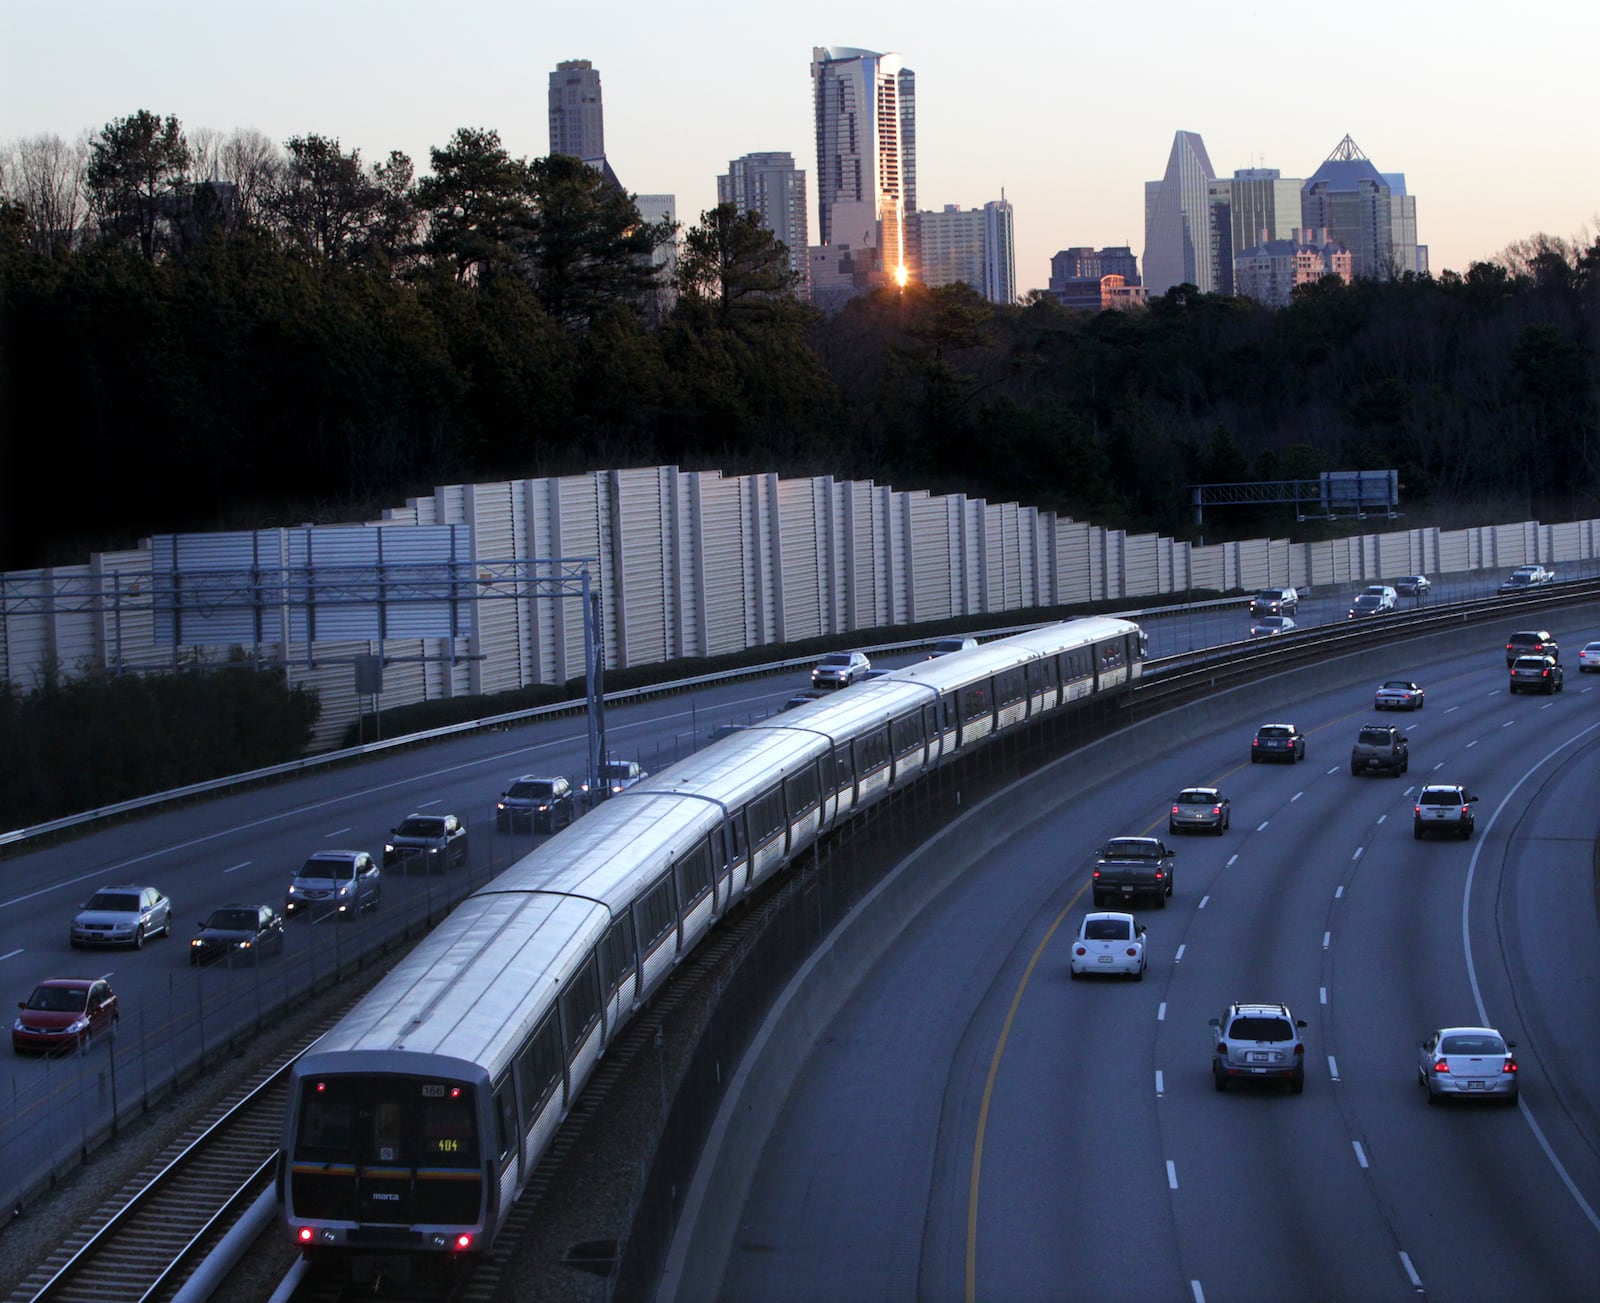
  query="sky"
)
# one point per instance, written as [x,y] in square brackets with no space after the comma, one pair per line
[1489,111]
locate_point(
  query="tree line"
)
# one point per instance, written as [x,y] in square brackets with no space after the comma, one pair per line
[205,331]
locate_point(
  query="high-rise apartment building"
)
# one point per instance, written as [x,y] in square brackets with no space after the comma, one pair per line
[1366,211]
[977,246]
[770,186]
[1081,277]
[577,125]
[865,105]
[1178,225]
[1269,272]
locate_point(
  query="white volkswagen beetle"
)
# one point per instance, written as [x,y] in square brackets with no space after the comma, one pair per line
[1109,943]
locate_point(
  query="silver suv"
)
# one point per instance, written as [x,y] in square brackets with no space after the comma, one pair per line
[1441,808]
[1275,601]
[1258,1042]
[340,883]
[1535,674]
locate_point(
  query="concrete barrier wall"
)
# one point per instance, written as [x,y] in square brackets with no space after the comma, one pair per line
[825,983]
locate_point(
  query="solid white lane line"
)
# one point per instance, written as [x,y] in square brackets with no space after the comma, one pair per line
[11,954]
[1405,1261]
[1361,1156]
[1333,1068]
[1172,1175]
[340,832]
[243,864]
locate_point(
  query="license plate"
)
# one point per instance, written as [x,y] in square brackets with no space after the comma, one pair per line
[1127,891]
[1259,1056]
[1475,1085]
[1105,959]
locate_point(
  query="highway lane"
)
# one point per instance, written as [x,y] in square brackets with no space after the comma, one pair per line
[974,1126]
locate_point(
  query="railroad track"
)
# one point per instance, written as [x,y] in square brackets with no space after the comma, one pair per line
[151,1236]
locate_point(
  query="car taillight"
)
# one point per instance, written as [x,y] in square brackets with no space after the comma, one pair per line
[1174,810]
[1300,1048]
[1133,952]
[1510,1065]
[1439,1065]
[1417,810]
[1466,809]
[1083,950]
[1216,809]
[1097,874]
[1159,875]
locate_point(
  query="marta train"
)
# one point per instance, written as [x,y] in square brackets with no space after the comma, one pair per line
[413,1125]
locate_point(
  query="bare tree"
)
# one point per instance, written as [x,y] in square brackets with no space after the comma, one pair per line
[46,176]
[254,164]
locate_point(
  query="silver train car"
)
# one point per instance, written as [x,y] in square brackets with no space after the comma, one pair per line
[414,1124]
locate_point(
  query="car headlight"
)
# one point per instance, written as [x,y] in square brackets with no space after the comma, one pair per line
[17,1026]
[77,1025]
[388,849]
[244,945]
[500,805]
[291,888]
[433,850]
[344,891]
[196,944]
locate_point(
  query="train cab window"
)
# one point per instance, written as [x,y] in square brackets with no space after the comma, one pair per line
[539,1065]
[1112,655]
[505,1113]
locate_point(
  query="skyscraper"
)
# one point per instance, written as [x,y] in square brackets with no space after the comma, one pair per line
[976,246]
[865,107]
[1178,227]
[1366,211]
[577,126]
[770,186]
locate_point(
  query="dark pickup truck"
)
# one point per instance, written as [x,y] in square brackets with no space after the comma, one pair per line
[1126,867]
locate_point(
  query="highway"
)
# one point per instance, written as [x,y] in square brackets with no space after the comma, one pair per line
[972,1125]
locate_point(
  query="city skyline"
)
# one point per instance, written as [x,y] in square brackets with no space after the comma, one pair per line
[1069,141]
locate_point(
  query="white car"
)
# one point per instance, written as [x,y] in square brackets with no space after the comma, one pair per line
[1589,658]
[1109,943]
[1398,694]
[1469,1062]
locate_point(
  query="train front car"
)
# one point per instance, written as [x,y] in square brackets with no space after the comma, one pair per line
[412,1125]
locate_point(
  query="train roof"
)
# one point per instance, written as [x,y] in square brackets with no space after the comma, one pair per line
[448,997]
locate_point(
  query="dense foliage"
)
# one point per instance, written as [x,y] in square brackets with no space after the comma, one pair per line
[93,739]
[313,338]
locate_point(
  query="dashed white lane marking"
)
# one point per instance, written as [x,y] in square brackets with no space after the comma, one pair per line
[1357,855]
[1161,1085]
[1199,1294]
[1338,892]
[1326,938]
[1333,1071]
[1161,1012]
[1262,825]
[1334,770]
[1361,1154]
[1232,859]
[1323,994]
[243,864]
[1202,903]
[1382,817]
[1438,766]
[1471,744]
[1447,710]
[1295,797]
[425,804]
[339,832]
[1172,1175]
[1178,958]
[11,954]
[1405,1261]
[1508,723]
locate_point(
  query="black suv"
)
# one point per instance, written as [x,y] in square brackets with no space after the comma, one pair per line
[1382,747]
[544,804]
[1532,642]
[435,842]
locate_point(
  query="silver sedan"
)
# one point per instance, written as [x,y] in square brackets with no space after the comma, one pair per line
[1469,1062]
[1200,807]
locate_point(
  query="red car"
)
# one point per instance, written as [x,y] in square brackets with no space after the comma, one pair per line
[64,1013]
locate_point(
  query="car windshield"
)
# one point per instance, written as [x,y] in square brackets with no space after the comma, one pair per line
[1105,929]
[59,999]
[617,769]
[534,788]
[114,902]
[1367,601]
[233,920]
[421,827]
[1475,1044]
[1248,1028]
[315,868]
[837,658]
